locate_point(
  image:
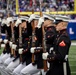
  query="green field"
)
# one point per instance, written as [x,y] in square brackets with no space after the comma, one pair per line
[72,59]
[1,50]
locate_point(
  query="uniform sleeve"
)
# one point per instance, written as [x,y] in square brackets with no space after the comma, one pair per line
[62,49]
[38,33]
[16,33]
[25,45]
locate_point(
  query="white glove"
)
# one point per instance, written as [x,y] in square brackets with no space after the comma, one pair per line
[38,47]
[18,22]
[66,57]
[10,43]
[51,49]
[0,39]
[2,45]
[31,18]
[32,50]
[41,20]
[14,46]
[44,55]
[20,51]
[5,41]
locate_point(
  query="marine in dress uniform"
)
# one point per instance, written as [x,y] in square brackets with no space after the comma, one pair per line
[7,49]
[3,28]
[26,44]
[11,43]
[2,44]
[50,32]
[7,39]
[15,47]
[38,65]
[59,57]
[32,69]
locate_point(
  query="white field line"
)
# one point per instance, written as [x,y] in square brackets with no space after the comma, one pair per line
[73,72]
[73,43]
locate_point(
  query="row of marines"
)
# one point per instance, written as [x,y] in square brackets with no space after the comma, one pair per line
[32,40]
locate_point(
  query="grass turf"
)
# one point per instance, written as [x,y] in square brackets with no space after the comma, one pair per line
[72,59]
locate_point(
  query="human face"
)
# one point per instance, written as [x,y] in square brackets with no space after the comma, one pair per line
[24,25]
[61,26]
[35,23]
[47,23]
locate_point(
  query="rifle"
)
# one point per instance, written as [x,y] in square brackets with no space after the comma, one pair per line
[20,40]
[13,40]
[44,48]
[33,40]
[43,41]
[33,34]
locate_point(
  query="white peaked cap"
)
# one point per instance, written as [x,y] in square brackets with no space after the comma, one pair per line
[62,17]
[41,20]
[32,17]
[15,18]
[18,22]
[24,18]
[50,17]
[9,19]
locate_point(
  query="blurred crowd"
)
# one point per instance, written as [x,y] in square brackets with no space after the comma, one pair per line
[47,5]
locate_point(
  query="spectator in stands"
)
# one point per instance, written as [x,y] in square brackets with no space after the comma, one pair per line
[47,5]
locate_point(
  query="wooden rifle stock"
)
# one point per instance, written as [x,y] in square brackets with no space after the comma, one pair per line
[32,57]
[20,57]
[20,40]
[12,51]
[44,44]
[33,36]
[44,49]
[33,40]
[13,40]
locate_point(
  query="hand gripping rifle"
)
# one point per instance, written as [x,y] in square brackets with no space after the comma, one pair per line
[43,41]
